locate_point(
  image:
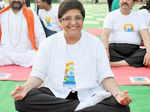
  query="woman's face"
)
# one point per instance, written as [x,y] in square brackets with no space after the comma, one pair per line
[72,22]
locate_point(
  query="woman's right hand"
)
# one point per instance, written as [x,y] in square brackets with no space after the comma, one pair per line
[19,92]
[123,98]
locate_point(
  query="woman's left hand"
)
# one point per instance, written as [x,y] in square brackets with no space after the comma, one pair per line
[123,98]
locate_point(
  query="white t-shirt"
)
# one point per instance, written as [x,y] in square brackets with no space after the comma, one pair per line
[70,67]
[91,67]
[146,16]
[50,19]
[125,29]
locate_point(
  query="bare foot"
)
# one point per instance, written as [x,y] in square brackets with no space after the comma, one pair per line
[119,63]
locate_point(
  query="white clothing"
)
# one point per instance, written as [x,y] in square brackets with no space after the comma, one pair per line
[91,67]
[125,29]
[50,19]
[2,4]
[146,16]
[35,8]
[15,46]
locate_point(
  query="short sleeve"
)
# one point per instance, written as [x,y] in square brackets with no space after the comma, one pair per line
[108,21]
[41,61]
[143,19]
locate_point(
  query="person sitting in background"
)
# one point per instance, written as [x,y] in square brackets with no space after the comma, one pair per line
[79,75]
[20,34]
[123,30]
[2,4]
[48,16]
[145,11]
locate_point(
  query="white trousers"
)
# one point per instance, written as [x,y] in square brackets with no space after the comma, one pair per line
[20,57]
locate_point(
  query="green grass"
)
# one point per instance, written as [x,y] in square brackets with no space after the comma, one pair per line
[6,101]
[141,98]
[140,95]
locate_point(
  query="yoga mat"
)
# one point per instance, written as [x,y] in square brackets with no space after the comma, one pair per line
[15,73]
[95,31]
[7,102]
[132,76]
[124,75]
[140,95]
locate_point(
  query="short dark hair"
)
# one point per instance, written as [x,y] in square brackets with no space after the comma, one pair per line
[49,2]
[68,5]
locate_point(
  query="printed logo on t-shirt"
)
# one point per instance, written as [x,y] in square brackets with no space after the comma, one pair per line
[69,74]
[48,20]
[128,28]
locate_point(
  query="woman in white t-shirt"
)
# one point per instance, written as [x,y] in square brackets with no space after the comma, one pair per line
[77,71]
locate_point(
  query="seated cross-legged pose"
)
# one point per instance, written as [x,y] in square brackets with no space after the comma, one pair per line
[74,66]
[20,34]
[122,35]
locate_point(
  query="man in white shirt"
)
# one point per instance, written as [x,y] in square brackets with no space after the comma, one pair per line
[21,33]
[122,35]
[77,71]
[49,17]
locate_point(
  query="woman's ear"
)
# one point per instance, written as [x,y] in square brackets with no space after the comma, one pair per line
[60,23]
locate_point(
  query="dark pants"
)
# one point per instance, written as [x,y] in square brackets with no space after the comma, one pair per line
[43,100]
[132,54]
[47,31]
